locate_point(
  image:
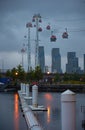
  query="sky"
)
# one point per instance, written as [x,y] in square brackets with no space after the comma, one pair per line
[60,14]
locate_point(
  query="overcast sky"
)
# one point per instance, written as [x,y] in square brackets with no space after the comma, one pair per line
[61,14]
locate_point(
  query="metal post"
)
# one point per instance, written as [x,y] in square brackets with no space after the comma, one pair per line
[29,25]
[29,56]
[37,43]
[37,17]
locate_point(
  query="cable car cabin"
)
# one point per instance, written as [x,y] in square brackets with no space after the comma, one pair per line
[40,29]
[53,38]
[33,20]
[48,27]
[29,25]
[40,20]
[65,35]
[34,25]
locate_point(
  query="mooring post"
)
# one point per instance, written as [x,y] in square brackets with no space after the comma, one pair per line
[68,110]
[35,96]
[27,90]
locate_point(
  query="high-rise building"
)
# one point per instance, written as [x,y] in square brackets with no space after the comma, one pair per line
[72,65]
[56,60]
[42,58]
[84,63]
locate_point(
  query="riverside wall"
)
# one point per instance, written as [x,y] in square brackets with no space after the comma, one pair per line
[60,88]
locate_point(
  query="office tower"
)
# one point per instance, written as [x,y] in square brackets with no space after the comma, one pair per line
[42,58]
[56,60]
[84,63]
[72,63]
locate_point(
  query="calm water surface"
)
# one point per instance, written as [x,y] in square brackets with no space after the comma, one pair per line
[11,117]
[51,120]
[10,114]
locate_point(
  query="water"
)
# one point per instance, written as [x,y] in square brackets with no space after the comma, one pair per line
[52,118]
[11,117]
[10,114]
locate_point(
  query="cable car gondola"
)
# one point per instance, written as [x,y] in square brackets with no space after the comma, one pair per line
[34,25]
[65,34]
[40,29]
[53,38]
[40,21]
[33,20]
[48,27]
[29,25]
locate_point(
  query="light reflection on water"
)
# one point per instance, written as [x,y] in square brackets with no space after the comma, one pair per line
[48,114]
[16,112]
[52,118]
[48,98]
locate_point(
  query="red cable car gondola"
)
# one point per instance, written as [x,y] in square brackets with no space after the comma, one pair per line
[65,35]
[48,27]
[40,29]
[53,38]
[29,25]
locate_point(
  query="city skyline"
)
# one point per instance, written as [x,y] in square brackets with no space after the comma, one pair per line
[71,59]
[14,16]
[71,66]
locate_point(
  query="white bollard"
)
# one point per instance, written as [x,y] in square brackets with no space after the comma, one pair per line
[21,87]
[35,96]
[27,90]
[68,110]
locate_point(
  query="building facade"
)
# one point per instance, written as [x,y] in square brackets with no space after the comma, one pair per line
[72,65]
[56,60]
[84,63]
[42,58]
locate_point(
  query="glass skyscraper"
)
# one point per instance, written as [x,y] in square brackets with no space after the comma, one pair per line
[84,63]
[72,63]
[56,60]
[42,58]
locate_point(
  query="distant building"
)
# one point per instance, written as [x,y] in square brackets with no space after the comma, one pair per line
[84,63]
[46,69]
[56,60]
[72,65]
[42,58]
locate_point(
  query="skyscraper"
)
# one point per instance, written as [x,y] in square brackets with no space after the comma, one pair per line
[72,65]
[41,58]
[84,63]
[56,60]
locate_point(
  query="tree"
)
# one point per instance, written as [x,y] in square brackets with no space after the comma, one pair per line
[8,73]
[30,75]
[57,77]
[38,73]
[21,75]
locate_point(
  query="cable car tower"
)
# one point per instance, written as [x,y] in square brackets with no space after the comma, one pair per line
[37,20]
[29,25]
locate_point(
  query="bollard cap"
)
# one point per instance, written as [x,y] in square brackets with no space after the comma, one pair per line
[67,96]
[35,86]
